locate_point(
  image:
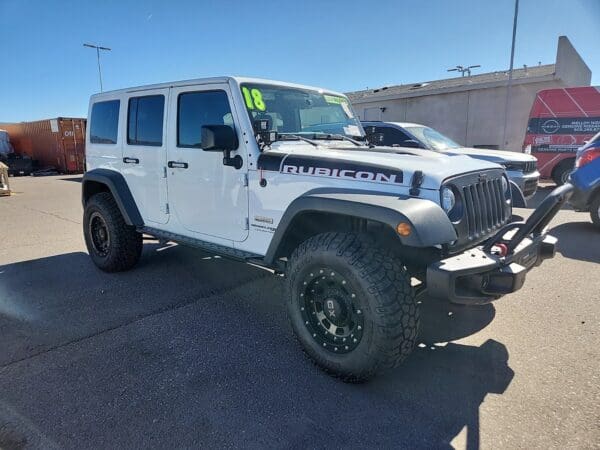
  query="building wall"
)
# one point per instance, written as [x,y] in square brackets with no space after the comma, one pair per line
[475,116]
[471,118]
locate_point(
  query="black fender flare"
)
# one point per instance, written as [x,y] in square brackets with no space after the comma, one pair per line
[518,199]
[429,223]
[117,186]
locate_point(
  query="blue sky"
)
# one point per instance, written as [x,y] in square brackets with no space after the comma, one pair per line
[343,45]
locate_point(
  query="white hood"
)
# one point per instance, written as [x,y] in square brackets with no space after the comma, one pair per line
[436,167]
[491,155]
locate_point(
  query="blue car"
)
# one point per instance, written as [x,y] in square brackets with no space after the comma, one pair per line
[587,173]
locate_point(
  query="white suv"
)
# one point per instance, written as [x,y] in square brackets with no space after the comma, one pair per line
[279,175]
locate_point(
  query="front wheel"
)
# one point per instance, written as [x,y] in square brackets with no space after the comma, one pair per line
[595,210]
[351,305]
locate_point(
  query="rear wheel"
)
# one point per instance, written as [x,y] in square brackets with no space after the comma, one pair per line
[595,210]
[112,244]
[351,305]
[561,172]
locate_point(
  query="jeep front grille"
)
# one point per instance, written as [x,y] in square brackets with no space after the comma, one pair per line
[485,207]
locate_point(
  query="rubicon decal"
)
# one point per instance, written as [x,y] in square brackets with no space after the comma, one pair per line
[332,168]
[343,173]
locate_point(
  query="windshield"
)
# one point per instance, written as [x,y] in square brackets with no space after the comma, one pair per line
[301,111]
[433,139]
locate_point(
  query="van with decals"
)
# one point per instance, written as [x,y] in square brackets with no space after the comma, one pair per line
[561,120]
[279,175]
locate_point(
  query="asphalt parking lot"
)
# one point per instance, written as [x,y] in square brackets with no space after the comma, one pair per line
[189,350]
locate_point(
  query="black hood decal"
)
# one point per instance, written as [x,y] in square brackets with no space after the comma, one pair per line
[328,167]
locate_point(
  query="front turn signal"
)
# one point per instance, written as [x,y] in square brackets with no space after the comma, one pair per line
[403,229]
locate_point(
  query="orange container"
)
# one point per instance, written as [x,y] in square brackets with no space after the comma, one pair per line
[58,143]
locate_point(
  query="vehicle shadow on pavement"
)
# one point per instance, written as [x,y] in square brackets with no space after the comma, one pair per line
[193,350]
[578,240]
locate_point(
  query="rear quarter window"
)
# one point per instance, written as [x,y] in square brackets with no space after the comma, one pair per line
[104,125]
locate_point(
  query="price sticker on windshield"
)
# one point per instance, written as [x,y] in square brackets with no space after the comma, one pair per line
[334,99]
[253,98]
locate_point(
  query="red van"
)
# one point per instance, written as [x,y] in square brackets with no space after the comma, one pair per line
[561,121]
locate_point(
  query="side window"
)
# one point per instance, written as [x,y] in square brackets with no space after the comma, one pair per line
[393,136]
[105,122]
[195,109]
[145,120]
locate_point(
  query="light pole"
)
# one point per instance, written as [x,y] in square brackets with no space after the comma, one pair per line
[463,69]
[510,74]
[98,48]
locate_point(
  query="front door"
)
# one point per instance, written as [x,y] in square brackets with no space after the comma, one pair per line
[206,196]
[144,153]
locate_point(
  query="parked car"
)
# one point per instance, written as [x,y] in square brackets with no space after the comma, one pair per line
[587,165]
[273,174]
[520,168]
[560,121]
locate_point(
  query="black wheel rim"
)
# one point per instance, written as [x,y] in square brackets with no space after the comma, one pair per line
[99,234]
[330,310]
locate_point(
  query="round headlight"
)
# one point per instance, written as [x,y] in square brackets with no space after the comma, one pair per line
[448,199]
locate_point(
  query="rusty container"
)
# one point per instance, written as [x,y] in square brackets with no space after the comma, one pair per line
[58,143]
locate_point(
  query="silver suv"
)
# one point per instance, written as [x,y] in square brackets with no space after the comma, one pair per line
[520,168]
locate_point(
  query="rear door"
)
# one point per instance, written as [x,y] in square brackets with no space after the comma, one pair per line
[144,153]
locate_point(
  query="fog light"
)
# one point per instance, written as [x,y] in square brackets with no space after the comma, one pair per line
[403,229]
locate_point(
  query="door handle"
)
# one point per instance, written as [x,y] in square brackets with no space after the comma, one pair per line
[128,160]
[177,165]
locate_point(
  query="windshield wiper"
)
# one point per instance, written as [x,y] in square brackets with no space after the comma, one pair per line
[339,137]
[283,137]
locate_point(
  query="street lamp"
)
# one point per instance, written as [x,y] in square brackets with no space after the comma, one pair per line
[98,48]
[464,70]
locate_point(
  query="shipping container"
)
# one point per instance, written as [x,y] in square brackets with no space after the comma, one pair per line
[58,143]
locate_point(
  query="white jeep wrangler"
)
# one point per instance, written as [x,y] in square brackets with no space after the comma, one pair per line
[279,175]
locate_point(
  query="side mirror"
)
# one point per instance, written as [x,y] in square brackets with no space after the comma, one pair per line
[221,138]
[218,138]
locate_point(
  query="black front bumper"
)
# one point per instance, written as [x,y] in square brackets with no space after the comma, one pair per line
[480,275]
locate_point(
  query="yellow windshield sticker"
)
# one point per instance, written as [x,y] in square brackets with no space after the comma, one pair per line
[335,99]
[253,98]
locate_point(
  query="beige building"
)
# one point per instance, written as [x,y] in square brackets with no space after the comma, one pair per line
[471,109]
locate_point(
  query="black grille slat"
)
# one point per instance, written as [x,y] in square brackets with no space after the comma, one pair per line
[470,214]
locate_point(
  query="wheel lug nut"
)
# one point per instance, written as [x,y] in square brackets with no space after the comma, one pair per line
[358,311]
[359,328]
[346,347]
[306,322]
[335,349]
[302,309]
[353,295]
[355,340]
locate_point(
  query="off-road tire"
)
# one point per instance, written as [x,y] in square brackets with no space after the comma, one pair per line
[595,210]
[562,171]
[383,293]
[125,243]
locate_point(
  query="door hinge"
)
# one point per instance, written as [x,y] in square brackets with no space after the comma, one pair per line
[245,179]
[166,208]
[164,172]
[246,224]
